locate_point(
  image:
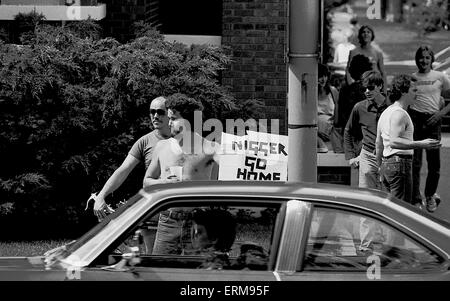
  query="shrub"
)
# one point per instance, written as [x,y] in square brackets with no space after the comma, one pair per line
[72,104]
[426,16]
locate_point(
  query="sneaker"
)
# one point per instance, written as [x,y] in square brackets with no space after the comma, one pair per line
[433,202]
[437,197]
[419,206]
[322,149]
[321,146]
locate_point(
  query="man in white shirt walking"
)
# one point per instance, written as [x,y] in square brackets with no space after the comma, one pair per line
[426,113]
[395,143]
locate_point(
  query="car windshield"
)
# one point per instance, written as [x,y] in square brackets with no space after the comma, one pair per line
[96,229]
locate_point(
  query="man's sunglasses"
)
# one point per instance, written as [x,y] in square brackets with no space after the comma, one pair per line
[159,111]
[371,87]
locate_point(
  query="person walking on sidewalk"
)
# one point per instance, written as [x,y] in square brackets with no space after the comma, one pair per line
[328,98]
[195,159]
[426,113]
[395,143]
[141,151]
[362,126]
[349,95]
[366,35]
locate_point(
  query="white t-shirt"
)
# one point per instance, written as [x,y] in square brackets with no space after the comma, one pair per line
[384,125]
[342,51]
[430,86]
[325,106]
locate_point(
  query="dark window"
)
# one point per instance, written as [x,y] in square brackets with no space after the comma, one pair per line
[191,17]
[340,240]
[204,236]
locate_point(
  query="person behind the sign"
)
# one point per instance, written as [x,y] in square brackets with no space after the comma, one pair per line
[194,157]
[213,233]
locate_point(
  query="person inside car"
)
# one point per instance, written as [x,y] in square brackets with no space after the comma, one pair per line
[213,233]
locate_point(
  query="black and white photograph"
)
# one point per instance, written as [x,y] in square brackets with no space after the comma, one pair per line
[221,146]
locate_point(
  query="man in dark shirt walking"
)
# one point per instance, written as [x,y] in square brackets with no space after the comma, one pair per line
[362,126]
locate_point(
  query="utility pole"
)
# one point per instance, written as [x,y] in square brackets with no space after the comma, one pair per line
[304,18]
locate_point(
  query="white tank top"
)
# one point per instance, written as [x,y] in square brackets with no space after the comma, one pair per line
[384,124]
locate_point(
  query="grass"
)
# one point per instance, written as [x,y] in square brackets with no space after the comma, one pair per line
[29,248]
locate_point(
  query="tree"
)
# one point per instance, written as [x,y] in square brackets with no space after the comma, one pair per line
[72,104]
[25,24]
[426,16]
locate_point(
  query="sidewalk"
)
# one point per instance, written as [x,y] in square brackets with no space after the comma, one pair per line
[445,140]
[399,41]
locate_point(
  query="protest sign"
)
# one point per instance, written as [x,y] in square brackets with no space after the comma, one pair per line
[256,156]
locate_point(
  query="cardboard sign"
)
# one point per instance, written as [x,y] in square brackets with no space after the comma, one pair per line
[253,157]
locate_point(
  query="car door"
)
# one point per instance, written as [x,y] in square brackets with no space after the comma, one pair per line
[251,255]
[344,243]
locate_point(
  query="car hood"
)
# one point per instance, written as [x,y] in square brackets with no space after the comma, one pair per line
[22,263]
[29,268]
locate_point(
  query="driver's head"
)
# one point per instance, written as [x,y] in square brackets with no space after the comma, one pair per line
[214,228]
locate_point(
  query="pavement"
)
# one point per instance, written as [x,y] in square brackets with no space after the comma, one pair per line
[445,140]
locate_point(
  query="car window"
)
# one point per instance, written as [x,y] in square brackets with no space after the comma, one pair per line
[342,240]
[205,236]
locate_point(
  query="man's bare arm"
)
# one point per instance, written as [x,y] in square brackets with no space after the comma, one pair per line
[153,171]
[114,182]
[398,122]
[379,147]
[380,65]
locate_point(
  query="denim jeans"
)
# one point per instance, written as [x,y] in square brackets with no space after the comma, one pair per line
[423,131]
[396,177]
[368,170]
[170,235]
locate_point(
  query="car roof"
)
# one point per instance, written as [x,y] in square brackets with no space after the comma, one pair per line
[269,189]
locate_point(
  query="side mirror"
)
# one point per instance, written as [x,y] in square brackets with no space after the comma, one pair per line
[131,258]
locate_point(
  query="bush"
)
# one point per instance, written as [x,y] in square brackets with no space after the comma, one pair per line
[426,16]
[72,104]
